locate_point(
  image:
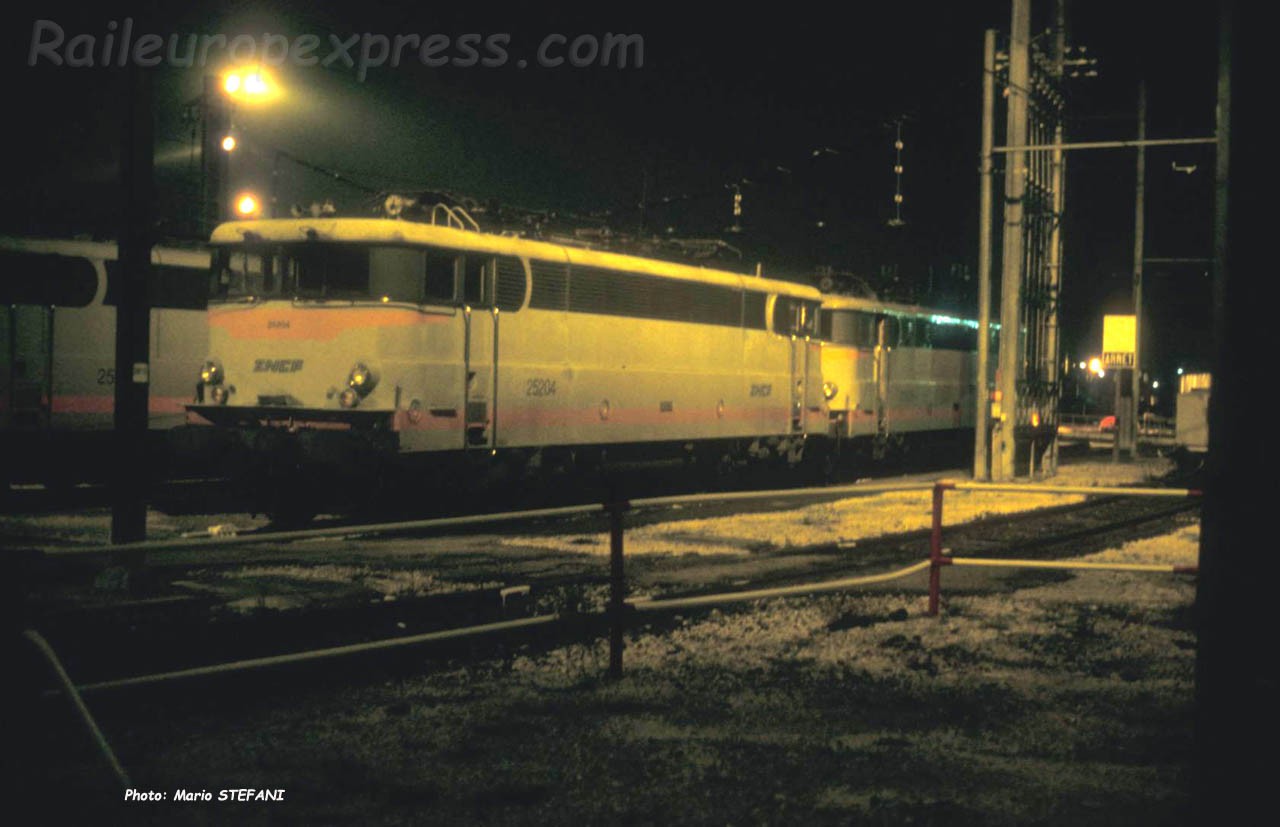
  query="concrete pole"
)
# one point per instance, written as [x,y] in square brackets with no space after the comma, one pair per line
[1015,184]
[1139,231]
[981,452]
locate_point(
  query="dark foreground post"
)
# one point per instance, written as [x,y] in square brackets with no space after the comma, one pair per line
[617,586]
[133,314]
[936,560]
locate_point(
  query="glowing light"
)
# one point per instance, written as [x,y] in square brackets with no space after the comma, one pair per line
[361,379]
[255,84]
[1095,366]
[1179,371]
[211,373]
[1155,383]
[229,143]
[1084,365]
[251,85]
[247,205]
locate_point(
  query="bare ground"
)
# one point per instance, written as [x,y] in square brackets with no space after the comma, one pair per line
[1062,699]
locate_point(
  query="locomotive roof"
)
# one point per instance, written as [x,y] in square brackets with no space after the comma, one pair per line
[392,231]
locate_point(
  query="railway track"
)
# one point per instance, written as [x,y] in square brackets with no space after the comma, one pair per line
[158,635]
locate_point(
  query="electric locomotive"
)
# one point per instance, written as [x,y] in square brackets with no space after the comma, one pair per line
[342,347]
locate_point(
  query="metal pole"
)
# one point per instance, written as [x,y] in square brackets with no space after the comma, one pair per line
[1139,231]
[78,704]
[214,125]
[1058,182]
[617,588]
[981,452]
[1015,184]
[1115,407]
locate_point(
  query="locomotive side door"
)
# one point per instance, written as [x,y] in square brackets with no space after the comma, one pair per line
[799,353]
[886,337]
[802,322]
[479,350]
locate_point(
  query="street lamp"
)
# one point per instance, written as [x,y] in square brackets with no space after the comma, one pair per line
[240,86]
[250,85]
[247,205]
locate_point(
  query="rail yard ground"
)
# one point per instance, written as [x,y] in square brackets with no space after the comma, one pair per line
[1038,697]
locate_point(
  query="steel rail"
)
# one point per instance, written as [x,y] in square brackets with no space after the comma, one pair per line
[314,655]
[647,605]
[411,526]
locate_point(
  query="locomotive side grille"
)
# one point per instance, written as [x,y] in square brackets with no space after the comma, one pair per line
[604,292]
[510,285]
[635,295]
[550,285]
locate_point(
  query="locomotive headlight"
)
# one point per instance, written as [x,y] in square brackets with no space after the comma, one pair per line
[211,373]
[362,379]
[829,390]
[349,398]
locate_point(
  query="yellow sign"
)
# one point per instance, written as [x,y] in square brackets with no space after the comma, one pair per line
[1119,334]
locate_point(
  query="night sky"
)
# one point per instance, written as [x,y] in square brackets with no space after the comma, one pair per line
[739,96]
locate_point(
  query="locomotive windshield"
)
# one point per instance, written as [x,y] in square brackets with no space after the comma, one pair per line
[339,272]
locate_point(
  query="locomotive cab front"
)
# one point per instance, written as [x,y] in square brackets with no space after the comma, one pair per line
[338,342]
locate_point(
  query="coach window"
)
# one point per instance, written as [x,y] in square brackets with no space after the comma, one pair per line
[441,270]
[889,331]
[836,327]
[47,279]
[475,278]
[807,318]
[395,274]
[783,315]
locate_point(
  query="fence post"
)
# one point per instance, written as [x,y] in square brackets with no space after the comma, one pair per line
[617,586]
[936,560]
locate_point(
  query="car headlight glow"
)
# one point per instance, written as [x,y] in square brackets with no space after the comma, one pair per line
[829,390]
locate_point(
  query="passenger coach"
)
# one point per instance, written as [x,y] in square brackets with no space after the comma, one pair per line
[57,352]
